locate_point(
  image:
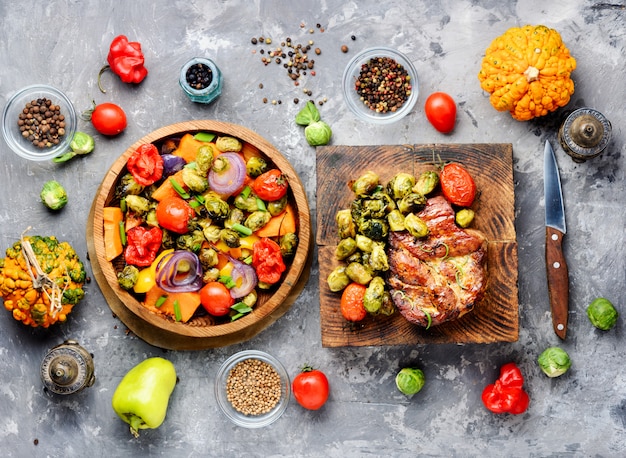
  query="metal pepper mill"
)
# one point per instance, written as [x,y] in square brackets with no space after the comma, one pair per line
[67,368]
[584,134]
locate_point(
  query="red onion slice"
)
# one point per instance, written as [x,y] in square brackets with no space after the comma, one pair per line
[244,277]
[230,180]
[179,272]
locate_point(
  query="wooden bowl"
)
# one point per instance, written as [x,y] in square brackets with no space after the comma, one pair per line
[201,331]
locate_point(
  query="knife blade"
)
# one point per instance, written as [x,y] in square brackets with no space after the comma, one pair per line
[556,267]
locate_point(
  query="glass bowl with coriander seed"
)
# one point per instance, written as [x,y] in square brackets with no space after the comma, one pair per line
[201,80]
[39,122]
[380,85]
[252,388]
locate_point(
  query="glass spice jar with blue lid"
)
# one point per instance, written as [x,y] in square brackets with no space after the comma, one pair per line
[201,80]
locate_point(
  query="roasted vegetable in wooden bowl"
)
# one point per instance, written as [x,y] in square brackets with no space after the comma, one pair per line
[202,230]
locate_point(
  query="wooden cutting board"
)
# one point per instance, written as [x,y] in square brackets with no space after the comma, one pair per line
[496,317]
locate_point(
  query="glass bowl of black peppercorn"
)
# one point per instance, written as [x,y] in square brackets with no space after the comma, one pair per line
[201,80]
[39,122]
[380,85]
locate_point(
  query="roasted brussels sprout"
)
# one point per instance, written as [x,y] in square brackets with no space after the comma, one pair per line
[396,221]
[366,183]
[212,233]
[208,257]
[256,220]
[256,166]
[288,244]
[230,238]
[128,186]
[375,228]
[127,278]
[53,195]
[250,299]
[602,314]
[216,207]
[246,203]
[227,143]
[138,204]
[345,224]
[400,185]
[554,361]
[374,206]
[358,273]
[204,159]
[194,180]
[426,183]
[388,308]
[377,260]
[410,380]
[345,248]
[464,217]
[338,279]
[191,241]
[415,225]
[411,203]
[211,274]
[364,243]
[276,207]
[373,298]
[236,217]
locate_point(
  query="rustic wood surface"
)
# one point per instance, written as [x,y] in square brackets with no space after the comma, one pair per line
[496,317]
[199,333]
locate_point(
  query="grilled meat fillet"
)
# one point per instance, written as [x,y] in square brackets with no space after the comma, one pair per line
[440,276]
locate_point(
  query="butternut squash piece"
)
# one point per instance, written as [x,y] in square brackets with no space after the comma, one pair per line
[249,151]
[188,303]
[166,189]
[280,224]
[112,217]
[188,148]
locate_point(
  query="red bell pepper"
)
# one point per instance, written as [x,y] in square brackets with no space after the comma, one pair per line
[507,394]
[126,60]
[142,245]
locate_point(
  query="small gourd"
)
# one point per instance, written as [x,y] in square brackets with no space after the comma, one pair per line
[527,72]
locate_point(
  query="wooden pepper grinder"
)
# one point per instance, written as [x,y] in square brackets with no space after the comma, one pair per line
[585,134]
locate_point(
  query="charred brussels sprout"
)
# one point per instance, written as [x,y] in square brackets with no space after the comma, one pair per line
[602,314]
[230,237]
[128,186]
[228,144]
[256,166]
[373,298]
[416,226]
[400,185]
[366,183]
[464,217]
[358,273]
[554,361]
[256,220]
[411,203]
[345,224]
[388,307]
[375,229]
[410,381]
[195,181]
[138,204]
[216,207]
[375,206]
[276,207]
[53,195]
[396,221]
[128,277]
[191,241]
[204,159]
[288,244]
[338,279]
[345,248]
[426,183]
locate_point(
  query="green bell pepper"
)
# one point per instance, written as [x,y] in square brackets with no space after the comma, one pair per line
[142,396]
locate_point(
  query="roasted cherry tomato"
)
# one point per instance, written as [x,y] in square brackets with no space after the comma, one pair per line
[146,164]
[142,245]
[108,119]
[271,185]
[216,298]
[441,111]
[457,185]
[267,260]
[351,304]
[173,213]
[310,388]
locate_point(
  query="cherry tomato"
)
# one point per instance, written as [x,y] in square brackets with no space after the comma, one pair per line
[267,260]
[310,388]
[351,304]
[173,213]
[108,119]
[271,185]
[146,164]
[441,111]
[457,185]
[216,298]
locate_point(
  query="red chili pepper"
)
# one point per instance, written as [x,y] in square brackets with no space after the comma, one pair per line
[506,395]
[142,245]
[126,60]
[146,164]
[267,260]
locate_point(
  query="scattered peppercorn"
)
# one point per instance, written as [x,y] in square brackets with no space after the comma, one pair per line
[296,100]
[353,37]
[42,123]
[318,51]
[344,48]
[383,84]
[199,76]
[253,41]
[253,387]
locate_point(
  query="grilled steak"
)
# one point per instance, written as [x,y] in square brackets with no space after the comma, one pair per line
[440,276]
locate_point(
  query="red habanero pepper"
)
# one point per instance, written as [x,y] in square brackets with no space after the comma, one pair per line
[267,260]
[146,164]
[142,245]
[507,395]
[126,60]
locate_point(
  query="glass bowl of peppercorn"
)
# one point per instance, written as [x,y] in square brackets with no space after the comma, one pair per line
[380,85]
[252,388]
[201,80]
[39,122]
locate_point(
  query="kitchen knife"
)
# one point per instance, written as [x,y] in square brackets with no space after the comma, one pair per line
[558,280]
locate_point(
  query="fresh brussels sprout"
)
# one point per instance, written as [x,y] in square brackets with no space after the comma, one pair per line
[396,221]
[80,145]
[554,361]
[138,204]
[204,159]
[216,207]
[602,314]
[246,203]
[288,244]
[378,261]
[366,183]
[411,203]
[276,207]
[375,228]
[416,226]
[400,185]
[358,273]
[53,195]
[256,220]
[229,144]
[410,380]
[256,166]
[318,133]
[464,217]
[345,224]
[194,180]
[128,277]
[373,298]
[128,186]
[338,279]
[345,248]
[230,237]
[426,183]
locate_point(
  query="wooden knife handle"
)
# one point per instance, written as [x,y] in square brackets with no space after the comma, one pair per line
[558,280]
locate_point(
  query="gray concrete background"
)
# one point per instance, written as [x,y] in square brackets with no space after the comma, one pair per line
[583,413]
